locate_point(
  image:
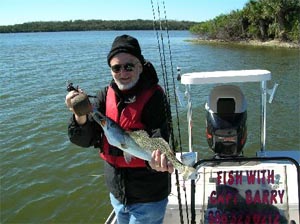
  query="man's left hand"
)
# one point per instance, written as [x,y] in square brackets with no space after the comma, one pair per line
[159,162]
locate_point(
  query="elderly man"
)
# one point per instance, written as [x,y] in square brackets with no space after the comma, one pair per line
[138,190]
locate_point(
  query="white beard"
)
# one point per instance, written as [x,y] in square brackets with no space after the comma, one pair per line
[127,86]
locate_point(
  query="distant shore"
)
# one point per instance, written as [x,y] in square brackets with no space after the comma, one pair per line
[270,43]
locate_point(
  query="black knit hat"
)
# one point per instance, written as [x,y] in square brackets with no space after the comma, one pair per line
[125,44]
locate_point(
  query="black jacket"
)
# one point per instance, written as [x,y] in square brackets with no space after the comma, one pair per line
[131,185]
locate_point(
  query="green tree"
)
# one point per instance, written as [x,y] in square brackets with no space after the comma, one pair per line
[259,19]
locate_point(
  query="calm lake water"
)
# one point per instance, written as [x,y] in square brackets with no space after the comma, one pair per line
[45,178]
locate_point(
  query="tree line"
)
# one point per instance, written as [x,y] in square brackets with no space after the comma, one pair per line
[87,25]
[259,19]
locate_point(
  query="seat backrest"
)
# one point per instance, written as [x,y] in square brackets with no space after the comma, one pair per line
[227,99]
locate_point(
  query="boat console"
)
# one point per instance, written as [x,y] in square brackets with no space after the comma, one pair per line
[231,188]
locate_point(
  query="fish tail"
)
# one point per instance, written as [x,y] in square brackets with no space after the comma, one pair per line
[187,172]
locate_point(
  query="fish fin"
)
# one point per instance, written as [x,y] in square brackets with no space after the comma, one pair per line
[127,157]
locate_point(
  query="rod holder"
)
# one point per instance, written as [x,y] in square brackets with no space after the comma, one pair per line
[272,92]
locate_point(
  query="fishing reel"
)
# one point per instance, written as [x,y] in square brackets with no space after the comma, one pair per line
[81,104]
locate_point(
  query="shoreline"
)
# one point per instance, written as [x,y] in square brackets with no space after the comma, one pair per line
[255,43]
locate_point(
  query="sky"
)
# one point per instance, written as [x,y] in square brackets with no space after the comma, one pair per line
[21,11]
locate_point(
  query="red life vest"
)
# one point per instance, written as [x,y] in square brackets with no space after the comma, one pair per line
[130,119]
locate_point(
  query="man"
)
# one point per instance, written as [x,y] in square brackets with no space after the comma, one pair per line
[138,190]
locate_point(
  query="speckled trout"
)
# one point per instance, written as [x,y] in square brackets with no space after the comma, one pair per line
[138,144]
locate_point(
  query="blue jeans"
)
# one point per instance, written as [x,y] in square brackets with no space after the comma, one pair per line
[139,213]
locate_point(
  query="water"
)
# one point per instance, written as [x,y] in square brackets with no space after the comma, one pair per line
[46,179]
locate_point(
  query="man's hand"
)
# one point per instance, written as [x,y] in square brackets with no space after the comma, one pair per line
[71,95]
[159,162]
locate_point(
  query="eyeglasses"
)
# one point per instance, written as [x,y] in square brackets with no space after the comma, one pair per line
[128,67]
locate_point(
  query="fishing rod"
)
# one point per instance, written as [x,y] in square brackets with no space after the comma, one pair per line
[70,87]
[162,54]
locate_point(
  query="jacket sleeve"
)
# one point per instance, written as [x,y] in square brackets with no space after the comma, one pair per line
[82,135]
[90,133]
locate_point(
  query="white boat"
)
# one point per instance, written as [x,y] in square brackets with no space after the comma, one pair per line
[260,189]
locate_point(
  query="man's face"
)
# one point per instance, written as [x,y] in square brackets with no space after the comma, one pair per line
[126,70]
